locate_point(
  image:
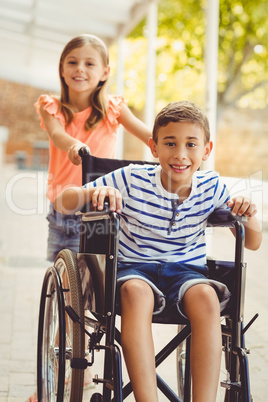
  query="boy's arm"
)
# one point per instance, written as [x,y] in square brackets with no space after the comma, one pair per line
[73,199]
[243,206]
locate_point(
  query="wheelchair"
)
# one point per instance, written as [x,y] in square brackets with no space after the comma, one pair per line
[85,282]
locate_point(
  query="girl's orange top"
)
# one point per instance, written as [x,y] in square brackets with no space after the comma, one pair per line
[101,141]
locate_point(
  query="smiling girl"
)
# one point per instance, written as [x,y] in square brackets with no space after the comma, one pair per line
[83,115]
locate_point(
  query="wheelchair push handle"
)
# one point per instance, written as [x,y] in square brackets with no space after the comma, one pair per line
[84,151]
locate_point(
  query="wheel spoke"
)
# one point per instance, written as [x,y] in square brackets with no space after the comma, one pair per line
[59,339]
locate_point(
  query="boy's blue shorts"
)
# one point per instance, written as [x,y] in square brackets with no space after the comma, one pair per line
[169,282]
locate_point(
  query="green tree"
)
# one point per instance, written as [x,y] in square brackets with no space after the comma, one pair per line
[181,45]
[243,53]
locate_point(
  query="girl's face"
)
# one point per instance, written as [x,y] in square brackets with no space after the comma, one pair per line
[180,148]
[83,69]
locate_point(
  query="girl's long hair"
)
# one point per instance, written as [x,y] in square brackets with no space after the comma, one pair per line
[97,98]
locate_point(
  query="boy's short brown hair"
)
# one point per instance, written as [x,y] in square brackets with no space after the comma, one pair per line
[183,111]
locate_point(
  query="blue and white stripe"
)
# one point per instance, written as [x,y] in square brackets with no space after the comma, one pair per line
[154,227]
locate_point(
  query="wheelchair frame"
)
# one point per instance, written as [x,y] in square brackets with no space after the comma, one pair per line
[66,293]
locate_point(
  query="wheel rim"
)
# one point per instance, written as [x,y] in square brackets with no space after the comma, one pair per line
[222,393]
[62,269]
[51,347]
[58,338]
[66,267]
[51,341]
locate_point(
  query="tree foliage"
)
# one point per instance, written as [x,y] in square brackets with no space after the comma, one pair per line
[243,55]
[181,46]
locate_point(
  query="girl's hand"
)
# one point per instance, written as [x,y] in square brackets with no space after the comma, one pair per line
[73,154]
[98,195]
[242,206]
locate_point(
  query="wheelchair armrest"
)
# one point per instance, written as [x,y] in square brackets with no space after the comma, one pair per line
[92,211]
[99,230]
[224,218]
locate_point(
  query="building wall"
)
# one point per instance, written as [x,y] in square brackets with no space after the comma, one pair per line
[242,143]
[241,147]
[18,114]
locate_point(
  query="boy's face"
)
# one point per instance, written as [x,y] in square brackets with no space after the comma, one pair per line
[180,149]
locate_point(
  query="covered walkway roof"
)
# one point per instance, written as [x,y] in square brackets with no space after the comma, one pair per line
[33,32]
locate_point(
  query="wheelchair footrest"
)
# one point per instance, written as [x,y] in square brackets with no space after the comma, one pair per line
[236,386]
[108,383]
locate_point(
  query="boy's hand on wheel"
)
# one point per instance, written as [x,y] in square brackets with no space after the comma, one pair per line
[100,193]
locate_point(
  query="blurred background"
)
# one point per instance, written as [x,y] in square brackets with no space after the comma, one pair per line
[211,52]
[160,51]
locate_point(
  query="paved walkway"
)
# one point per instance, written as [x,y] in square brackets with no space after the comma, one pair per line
[23,236]
[22,265]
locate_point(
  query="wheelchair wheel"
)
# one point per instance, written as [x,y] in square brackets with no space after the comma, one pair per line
[225,394]
[59,339]
[183,372]
[51,340]
[183,369]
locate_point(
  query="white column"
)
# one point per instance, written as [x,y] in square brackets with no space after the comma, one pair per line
[120,85]
[151,71]
[211,60]
[3,139]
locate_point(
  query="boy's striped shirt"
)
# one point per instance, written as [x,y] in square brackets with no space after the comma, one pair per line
[154,227]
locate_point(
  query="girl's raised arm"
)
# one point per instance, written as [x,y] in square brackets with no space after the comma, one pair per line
[133,124]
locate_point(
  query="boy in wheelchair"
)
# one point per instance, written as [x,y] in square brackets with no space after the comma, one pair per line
[162,256]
